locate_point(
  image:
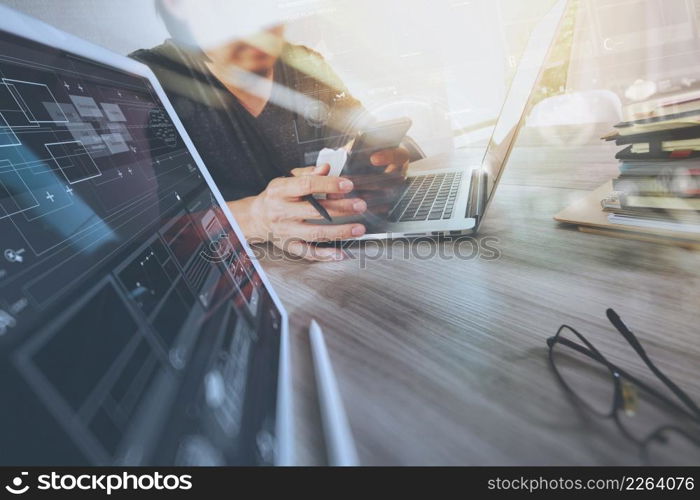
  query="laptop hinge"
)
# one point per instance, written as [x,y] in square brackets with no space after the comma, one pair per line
[476,202]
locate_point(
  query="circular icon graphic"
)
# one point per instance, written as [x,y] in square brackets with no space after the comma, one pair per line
[317,113]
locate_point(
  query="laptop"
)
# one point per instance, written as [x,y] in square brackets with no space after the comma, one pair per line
[136,326]
[453,201]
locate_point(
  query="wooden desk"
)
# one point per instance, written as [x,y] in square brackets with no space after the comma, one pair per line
[444,361]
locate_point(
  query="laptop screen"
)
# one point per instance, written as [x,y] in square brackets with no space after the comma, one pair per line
[134,327]
[521,89]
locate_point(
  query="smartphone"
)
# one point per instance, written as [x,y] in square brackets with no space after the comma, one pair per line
[379,136]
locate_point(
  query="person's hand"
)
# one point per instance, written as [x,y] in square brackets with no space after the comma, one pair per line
[279,213]
[381,189]
[394,161]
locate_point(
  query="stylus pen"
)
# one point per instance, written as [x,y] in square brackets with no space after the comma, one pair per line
[316,204]
[336,429]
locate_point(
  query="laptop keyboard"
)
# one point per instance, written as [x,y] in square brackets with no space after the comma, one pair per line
[427,197]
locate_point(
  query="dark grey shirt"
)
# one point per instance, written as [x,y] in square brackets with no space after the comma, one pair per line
[242,152]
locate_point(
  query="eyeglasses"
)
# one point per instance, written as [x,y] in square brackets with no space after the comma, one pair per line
[607,391]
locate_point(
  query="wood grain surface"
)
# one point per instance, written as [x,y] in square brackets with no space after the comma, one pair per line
[443,360]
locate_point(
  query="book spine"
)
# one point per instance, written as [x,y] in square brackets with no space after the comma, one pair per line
[654,169]
[676,134]
[627,154]
[660,203]
[646,111]
[683,185]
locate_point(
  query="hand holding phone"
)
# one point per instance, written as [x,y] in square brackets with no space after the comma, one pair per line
[375,183]
[378,137]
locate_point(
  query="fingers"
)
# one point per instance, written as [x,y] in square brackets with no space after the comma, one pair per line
[392,169]
[313,252]
[336,208]
[322,232]
[295,187]
[397,156]
[345,206]
[319,170]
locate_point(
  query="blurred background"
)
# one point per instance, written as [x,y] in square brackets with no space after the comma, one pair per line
[447,63]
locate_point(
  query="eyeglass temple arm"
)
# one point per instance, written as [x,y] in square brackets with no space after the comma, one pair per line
[599,358]
[637,346]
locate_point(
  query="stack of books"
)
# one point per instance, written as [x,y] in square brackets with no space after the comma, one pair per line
[659,181]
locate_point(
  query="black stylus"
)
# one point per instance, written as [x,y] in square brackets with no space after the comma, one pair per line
[317,205]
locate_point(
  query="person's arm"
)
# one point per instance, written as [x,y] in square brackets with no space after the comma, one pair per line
[279,214]
[243,212]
